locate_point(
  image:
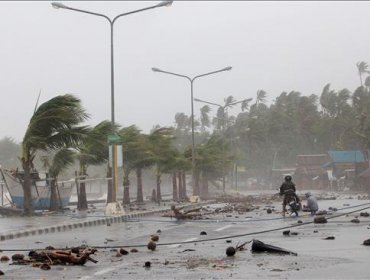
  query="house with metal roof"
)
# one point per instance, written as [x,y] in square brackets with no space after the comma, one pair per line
[345,166]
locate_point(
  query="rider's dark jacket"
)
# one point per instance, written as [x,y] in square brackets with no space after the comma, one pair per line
[287,188]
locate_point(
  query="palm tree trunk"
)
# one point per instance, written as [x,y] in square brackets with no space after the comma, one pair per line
[53,196]
[181,191]
[204,189]
[159,195]
[82,199]
[184,194]
[27,193]
[175,196]
[126,188]
[139,177]
[196,183]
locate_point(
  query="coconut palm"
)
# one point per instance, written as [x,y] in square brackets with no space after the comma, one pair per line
[362,69]
[131,141]
[93,150]
[160,141]
[54,125]
[61,161]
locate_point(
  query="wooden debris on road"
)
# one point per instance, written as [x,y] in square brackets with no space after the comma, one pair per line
[52,257]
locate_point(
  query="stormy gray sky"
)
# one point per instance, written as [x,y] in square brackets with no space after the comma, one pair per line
[275,46]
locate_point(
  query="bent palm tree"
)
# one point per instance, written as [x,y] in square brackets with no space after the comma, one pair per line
[61,161]
[93,151]
[362,69]
[53,126]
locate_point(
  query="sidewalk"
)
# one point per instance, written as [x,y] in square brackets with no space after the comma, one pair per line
[37,225]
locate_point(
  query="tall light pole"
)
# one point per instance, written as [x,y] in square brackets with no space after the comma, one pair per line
[191,80]
[223,107]
[111,23]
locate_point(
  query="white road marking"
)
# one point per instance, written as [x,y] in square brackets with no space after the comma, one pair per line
[186,240]
[222,228]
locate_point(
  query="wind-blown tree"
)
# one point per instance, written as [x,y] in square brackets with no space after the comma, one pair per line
[93,150]
[143,159]
[212,161]
[362,69]
[9,151]
[338,115]
[204,117]
[131,141]
[54,125]
[161,147]
[61,161]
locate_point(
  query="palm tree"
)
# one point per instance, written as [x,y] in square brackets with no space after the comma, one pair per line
[131,141]
[54,125]
[160,141]
[93,150]
[204,118]
[144,159]
[362,69]
[61,161]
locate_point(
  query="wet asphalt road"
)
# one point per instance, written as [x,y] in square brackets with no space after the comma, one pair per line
[342,258]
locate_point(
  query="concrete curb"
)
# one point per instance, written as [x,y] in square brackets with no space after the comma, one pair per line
[87,223]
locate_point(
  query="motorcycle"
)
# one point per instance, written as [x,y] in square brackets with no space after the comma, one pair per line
[293,206]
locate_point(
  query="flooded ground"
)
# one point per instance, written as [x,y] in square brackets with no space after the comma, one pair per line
[183,253]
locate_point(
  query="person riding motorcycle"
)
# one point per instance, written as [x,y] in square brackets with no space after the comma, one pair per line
[288,189]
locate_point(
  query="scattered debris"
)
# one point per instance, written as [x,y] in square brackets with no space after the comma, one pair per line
[288,232]
[4,259]
[259,246]
[320,220]
[152,245]
[123,251]
[329,238]
[230,251]
[188,250]
[17,257]
[154,237]
[58,257]
[45,266]
[366,242]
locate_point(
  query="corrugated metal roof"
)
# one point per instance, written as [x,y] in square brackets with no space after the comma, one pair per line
[347,156]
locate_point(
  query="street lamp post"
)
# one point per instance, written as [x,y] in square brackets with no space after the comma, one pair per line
[223,107]
[111,23]
[191,80]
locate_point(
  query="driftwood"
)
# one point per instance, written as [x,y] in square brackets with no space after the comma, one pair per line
[181,214]
[74,256]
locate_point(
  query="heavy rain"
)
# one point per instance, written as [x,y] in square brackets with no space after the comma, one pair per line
[184,140]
